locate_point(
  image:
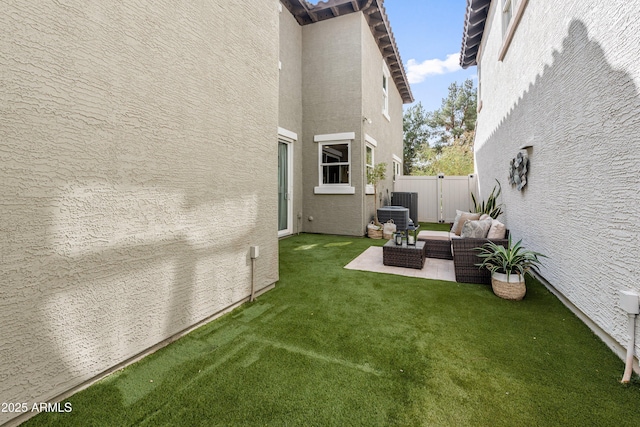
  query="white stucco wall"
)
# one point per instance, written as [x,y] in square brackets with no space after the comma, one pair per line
[569,86]
[130,137]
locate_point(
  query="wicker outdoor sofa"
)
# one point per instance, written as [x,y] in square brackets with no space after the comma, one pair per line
[465,259]
[461,250]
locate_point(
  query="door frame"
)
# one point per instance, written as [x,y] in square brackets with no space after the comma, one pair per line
[288,138]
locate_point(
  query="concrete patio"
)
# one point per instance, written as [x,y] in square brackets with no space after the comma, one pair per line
[371,260]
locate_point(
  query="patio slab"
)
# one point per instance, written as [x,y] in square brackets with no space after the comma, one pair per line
[371,260]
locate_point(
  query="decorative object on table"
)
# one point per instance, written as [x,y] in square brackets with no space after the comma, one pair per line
[412,233]
[508,266]
[388,229]
[491,207]
[397,237]
[518,170]
[374,176]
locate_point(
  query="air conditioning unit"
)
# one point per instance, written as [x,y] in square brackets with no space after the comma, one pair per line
[398,214]
[407,200]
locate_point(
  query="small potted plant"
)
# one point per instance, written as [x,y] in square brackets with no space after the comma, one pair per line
[508,266]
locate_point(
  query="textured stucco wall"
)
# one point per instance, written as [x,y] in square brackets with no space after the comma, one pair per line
[569,86]
[387,133]
[332,103]
[290,101]
[130,134]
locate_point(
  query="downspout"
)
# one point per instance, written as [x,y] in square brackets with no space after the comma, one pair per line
[630,302]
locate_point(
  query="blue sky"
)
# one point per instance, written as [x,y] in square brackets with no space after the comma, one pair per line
[428,32]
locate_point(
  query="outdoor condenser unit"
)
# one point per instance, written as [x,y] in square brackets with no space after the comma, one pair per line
[398,214]
[409,201]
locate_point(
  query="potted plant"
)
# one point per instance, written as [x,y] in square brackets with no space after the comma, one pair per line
[374,176]
[491,207]
[508,266]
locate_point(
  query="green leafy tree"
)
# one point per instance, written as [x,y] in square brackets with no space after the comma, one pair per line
[416,135]
[455,122]
[441,141]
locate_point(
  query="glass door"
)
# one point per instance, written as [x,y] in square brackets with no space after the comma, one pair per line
[284,189]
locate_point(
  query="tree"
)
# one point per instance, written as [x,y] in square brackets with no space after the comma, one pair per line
[455,122]
[416,135]
[441,141]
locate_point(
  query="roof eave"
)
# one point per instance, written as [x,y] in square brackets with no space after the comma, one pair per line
[373,10]
[474,22]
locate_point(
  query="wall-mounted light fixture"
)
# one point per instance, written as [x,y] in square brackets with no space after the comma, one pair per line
[366,120]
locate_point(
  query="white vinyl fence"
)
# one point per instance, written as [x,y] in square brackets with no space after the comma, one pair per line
[439,196]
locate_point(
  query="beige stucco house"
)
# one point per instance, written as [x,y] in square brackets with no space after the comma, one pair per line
[560,81]
[342,87]
[140,146]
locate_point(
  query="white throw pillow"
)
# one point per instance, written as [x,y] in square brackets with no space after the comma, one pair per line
[497,231]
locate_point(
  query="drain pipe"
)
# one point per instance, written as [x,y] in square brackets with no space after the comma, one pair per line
[630,302]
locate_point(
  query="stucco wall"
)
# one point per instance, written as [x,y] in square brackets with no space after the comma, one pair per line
[387,133]
[332,103]
[290,101]
[569,86]
[129,139]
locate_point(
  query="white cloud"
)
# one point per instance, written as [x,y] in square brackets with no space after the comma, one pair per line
[417,72]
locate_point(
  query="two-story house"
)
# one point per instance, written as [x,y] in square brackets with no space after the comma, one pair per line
[342,87]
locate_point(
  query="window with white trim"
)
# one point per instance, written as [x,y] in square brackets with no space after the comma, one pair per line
[369,163]
[507,14]
[397,169]
[386,76]
[512,11]
[334,164]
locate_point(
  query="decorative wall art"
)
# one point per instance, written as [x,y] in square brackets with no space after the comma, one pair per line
[518,170]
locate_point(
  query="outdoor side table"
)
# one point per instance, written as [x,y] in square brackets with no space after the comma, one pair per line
[403,256]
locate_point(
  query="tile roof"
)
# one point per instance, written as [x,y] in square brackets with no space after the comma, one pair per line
[373,10]
[474,20]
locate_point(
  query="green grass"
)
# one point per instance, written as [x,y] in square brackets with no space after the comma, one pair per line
[336,347]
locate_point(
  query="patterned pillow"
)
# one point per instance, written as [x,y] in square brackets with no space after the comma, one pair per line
[476,229]
[464,216]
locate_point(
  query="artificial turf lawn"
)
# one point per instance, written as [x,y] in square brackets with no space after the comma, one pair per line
[336,347]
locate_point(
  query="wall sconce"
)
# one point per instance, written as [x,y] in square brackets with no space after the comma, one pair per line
[366,120]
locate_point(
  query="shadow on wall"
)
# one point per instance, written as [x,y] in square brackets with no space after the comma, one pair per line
[87,294]
[581,117]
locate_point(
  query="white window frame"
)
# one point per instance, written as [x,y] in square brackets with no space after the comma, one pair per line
[288,137]
[512,11]
[370,144]
[397,167]
[386,80]
[334,139]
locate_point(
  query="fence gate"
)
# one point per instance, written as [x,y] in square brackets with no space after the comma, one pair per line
[439,196]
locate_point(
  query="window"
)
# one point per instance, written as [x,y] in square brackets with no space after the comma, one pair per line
[397,167]
[334,164]
[386,75]
[507,14]
[512,11]
[369,168]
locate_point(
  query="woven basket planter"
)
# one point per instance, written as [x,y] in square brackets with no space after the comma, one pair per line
[373,231]
[513,289]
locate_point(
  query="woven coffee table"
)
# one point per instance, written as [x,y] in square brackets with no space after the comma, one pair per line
[403,256]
